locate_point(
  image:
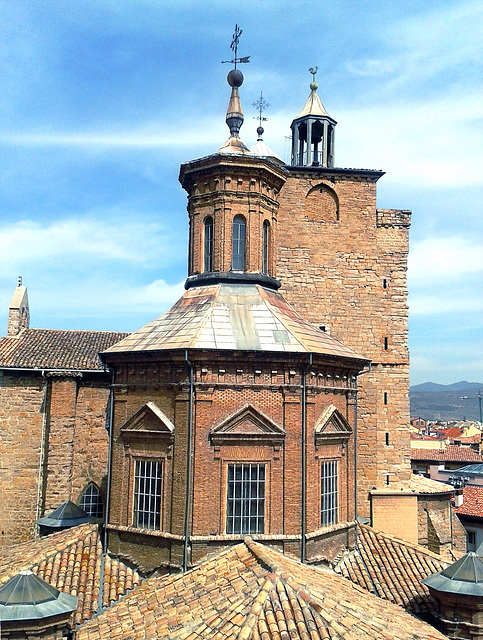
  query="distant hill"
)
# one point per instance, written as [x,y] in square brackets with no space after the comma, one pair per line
[455,401]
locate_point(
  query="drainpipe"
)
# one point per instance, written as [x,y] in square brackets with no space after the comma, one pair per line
[110,421]
[188,465]
[304,462]
[40,481]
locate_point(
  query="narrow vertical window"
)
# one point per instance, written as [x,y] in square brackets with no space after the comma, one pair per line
[266,241]
[386,344]
[147,494]
[384,283]
[91,501]
[385,397]
[387,438]
[329,493]
[239,241]
[208,245]
[245,498]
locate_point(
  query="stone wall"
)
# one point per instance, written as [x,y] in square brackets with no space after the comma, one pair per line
[53,442]
[342,264]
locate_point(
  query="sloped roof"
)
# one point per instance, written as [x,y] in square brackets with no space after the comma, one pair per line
[463,577]
[232,316]
[70,561]
[426,485]
[313,106]
[452,453]
[392,569]
[252,592]
[472,502]
[56,349]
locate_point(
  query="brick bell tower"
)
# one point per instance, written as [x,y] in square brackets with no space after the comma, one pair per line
[342,263]
[232,415]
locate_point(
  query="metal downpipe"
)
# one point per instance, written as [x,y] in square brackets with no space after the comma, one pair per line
[189,465]
[303,542]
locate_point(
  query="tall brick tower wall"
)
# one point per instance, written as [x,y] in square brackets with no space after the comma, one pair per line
[342,264]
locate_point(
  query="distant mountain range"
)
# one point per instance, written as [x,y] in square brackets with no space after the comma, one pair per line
[445,402]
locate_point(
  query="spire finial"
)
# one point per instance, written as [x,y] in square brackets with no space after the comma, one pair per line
[261,105]
[313,85]
[234,115]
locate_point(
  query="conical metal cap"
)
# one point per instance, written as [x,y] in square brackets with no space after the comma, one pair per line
[465,576]
[27,597]
[67,515]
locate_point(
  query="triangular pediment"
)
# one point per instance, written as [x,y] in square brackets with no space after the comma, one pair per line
[148,420]
[332,424]
[247,424]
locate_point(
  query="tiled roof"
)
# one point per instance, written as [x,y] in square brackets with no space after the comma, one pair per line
[472,502]
[426,485]
[56,349]
[452,453]
[392,569]
[251,592]
[71,562]
[233,316]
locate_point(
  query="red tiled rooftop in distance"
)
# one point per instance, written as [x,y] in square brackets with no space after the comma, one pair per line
[251,592]
[452,453]
[472,502]
[56,349]
[71,562]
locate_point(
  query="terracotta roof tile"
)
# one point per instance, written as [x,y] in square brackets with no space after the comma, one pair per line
[56,349]
[71,562]
[251,592]
[426,485]
[392,569]
[452,453]
[472,502]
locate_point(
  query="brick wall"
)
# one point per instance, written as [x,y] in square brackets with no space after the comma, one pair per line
[230,397]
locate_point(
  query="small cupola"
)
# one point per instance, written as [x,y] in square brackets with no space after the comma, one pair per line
[459,592]
[67,515]
[32,608]
[313,133]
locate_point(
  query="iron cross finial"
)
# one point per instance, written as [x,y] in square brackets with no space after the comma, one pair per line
[313,71]
[261,105]
[234,47]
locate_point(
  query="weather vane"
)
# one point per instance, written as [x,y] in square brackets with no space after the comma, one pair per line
[261,105]
[313,72]
[234,47]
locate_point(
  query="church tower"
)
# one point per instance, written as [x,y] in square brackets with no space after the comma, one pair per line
[342,263]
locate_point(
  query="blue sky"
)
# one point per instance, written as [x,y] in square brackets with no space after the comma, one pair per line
[103,99]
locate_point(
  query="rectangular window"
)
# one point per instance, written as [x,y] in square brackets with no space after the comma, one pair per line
[329,490]
[471,541]
[245,498]
[147,494]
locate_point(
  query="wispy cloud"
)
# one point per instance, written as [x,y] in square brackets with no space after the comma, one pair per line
[440,260]
[74,241]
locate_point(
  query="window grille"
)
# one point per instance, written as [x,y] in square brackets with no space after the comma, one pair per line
[91,502]
[239,236]
[329,489]
[266,237]
[208,245]
[245,504]
[147,494]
